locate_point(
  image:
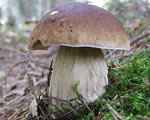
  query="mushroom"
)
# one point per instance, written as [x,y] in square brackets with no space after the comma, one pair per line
[81,30]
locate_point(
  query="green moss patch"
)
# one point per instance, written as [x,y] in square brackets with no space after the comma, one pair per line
[129,95]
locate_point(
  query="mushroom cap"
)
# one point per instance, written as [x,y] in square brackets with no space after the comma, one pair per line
[79,25]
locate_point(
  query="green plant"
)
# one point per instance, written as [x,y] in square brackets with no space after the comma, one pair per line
[132,87]
[20,37]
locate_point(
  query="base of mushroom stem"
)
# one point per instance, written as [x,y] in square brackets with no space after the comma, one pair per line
[67,110]
[83,68]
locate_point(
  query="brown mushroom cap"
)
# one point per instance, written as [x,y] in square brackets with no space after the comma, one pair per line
[79,25]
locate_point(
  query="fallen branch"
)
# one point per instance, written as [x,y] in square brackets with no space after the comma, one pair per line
[120,58]
[114,113]
[22,116]
[69,112]
[133,41]
[22,62]
[142,118]
[14,50]
[12,116]
[38,74]
[17,64]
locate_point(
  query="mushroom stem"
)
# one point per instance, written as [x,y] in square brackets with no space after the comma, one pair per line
[86,65]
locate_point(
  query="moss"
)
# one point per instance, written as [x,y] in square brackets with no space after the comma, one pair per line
[132,87]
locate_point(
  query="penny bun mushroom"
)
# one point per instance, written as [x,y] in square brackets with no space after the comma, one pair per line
[81,30]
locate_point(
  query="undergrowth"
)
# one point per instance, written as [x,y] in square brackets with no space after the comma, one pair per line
[129,95]
[129,91]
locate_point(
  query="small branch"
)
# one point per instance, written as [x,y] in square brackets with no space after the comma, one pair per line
[142,118]
[69,112]
[42,111]
[133,41]
[14,50]
[22,62]
[38,74]
[12,116]
[22,116]
[86,105]
[17,64]
[120,58]
[88,108]
[117,115]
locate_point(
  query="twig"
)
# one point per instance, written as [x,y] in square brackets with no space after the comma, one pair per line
[142,118]
[88,108]
[14,50]
[21,62]
[16,113]
[69,112]
[15,65]
[86,105]
[20,117]
[11,117]
[133,41]
[112,110]
[18,63]
[42,111]
[38,74]
[117,67]
[119,58]
[115,117]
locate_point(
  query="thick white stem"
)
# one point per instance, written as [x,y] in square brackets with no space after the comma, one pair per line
[86,65]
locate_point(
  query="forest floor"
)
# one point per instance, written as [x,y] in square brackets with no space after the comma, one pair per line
[23,73]
[17,63]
